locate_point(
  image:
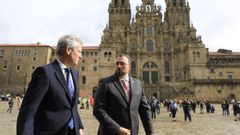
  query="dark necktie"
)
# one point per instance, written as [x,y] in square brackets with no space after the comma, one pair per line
[71,91]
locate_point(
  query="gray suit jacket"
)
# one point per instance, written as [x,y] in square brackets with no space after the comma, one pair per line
[113,110]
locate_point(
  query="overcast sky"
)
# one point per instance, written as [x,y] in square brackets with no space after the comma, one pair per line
[44,21]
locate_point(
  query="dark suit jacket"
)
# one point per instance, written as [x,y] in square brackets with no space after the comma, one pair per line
[112,109]
[47,105]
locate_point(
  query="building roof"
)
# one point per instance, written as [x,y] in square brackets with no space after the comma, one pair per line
[90,47]
[223,54]
[25,45]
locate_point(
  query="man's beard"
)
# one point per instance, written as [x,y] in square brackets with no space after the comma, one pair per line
[119,72]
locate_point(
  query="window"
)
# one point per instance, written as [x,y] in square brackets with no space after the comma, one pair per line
[22,52]
[18,67]
[25,52]
[84,80]
[133,67]
[109,54]
[211,70]
[5,65]
[95,61]
[83,61]
[229,77]
[83,53]
[149,31]
[166,47]
[150,73]
[28,53]
[181,2]
[149,45]
[146,76]
[198,54]
[33,67]
[83,68]
[105,54]
[133,48]
[94,68]
[174,2]
[34,58]
[167,68]
[220,73]
[1,53]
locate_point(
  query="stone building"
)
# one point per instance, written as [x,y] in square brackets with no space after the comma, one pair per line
[167,55]
[17,62]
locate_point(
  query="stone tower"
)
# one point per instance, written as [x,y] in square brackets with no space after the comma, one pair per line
[114,39]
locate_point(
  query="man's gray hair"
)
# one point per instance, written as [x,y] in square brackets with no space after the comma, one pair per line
[66,41]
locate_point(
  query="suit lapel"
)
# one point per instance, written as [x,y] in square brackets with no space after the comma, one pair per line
[60,77]
[132,91]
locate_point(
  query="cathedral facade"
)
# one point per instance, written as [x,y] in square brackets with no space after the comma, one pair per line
[166,55]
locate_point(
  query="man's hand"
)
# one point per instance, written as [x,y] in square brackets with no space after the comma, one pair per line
[123,131]
[81,131]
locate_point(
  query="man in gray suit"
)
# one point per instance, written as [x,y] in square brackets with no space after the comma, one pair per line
[118,101]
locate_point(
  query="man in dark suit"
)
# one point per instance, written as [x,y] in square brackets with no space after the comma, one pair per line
[118,101]
[49,106]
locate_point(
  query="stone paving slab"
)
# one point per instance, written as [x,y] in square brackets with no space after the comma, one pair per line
[202,124]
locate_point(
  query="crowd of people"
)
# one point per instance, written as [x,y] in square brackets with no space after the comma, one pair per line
[189,106]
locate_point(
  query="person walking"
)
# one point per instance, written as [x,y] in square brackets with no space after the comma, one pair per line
[186,110]
[49,106]
[119,101]
[10,105]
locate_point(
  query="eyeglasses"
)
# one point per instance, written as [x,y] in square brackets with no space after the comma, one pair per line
[121,63]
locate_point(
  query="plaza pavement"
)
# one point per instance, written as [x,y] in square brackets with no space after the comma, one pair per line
[202,124]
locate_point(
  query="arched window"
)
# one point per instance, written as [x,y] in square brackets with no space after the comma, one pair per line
[149,45]
[149,31]
[166,47]
[133,67]
[123,2]
[167,67]
[194,54]
[198,54]
[150,73]
[105,54]
[181,2]
[133,48]
[109,54]
[174,2]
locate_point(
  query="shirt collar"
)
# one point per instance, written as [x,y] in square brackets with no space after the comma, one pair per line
[125,78]
[61,65]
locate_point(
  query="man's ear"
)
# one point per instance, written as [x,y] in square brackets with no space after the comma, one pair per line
[68,50]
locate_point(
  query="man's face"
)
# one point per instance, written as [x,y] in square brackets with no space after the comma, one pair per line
[122,66]
[75,55]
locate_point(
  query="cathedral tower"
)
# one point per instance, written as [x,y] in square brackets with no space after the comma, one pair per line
[114,39]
